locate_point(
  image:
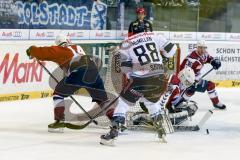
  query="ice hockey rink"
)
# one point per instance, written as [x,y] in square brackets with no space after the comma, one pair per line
[24,135]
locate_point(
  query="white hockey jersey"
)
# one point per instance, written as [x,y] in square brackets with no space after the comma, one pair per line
[140,54]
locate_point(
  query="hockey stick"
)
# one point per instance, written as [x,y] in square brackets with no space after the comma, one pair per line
[186,128]
[78,127]
[197,127]
[210,70]
[205,118]
[74,100]
[204,75]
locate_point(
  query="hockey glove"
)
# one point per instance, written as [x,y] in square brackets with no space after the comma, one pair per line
[195,84]
[28,53]
[216,64]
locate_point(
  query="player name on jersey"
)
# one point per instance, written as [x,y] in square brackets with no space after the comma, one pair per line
[141,40]
[156,67]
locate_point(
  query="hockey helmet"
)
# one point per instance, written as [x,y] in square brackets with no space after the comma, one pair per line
[201,43]
[61,39]
[187,77]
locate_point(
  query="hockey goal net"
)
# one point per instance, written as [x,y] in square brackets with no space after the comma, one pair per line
[114,79]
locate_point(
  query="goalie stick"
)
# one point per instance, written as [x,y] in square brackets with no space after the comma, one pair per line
[206,116]
[178,128]
[207,73]
[197,127]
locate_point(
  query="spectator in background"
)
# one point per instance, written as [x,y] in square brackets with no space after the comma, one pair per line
[98,1]
[139,25]
[149,5]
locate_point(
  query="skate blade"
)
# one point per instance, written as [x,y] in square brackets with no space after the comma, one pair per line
[107,142]
[162,139]
[219,109]
[125,132]
[56,130]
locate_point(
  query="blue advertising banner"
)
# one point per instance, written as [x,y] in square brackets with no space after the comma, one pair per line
[49,14]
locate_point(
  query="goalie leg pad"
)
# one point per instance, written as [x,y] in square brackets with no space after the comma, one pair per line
[178,118]
[190,106]
[141,118]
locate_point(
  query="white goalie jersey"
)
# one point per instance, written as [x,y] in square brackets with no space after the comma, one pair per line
[141,56]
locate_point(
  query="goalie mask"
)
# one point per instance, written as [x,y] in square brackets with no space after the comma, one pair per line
[187,77]
[61,40]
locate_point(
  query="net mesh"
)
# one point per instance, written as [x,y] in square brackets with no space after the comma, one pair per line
[114,80]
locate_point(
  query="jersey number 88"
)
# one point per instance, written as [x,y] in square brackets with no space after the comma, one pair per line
[144,58]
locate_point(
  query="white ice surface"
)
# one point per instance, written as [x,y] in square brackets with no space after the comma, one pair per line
[24,136]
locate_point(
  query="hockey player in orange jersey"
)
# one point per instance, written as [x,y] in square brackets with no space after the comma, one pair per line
[81,72]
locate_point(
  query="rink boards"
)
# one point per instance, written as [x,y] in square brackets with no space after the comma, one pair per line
[21,78]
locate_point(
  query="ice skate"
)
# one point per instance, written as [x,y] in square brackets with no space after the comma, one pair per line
[56,127]
[157,123]
[220,106]
[123,128]
[109,138]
